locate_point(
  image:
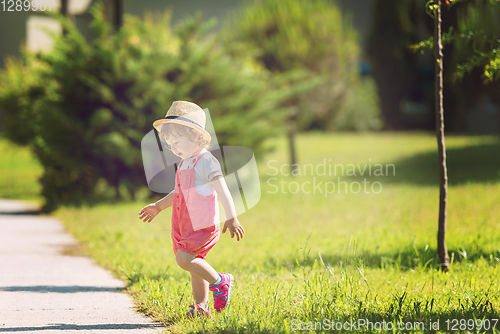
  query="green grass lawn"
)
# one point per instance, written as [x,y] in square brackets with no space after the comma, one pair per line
[316,258]
[19,173]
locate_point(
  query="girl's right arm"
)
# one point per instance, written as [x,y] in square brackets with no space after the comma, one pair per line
[150,211]
[166,201]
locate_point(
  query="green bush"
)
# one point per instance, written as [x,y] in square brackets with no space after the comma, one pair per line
[362,110]
[83,108]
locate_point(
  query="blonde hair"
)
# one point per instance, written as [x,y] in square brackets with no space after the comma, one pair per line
[178,130]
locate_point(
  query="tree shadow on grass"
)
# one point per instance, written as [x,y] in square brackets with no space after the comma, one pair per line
[403,260]
[471,164]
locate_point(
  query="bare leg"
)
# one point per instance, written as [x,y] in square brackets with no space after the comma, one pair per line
[202,274]
[196,266]
[200,290]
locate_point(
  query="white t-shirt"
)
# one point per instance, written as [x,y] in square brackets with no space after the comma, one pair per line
[205,170]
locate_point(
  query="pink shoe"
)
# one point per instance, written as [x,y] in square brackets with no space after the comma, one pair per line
[222,291]
[200,311]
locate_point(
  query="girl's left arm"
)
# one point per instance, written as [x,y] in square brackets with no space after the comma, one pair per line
[226,199]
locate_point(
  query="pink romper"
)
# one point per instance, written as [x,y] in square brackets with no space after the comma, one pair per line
[194,227]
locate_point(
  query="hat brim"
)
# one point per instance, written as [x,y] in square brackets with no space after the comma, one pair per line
[157,125]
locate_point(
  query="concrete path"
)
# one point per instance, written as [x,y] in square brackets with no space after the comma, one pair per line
[43,291]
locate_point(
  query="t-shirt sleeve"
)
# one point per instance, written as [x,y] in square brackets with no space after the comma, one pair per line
[210,167]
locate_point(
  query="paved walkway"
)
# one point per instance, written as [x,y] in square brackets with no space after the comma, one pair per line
[43,291]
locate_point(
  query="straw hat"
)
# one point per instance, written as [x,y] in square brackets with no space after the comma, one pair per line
[185,113]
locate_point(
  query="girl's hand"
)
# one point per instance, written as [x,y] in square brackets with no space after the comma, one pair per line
[149,212]
[234,227]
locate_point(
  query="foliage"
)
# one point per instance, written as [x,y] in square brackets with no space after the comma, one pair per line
[476,37]
[362,110]
[312,36]
[83,108]
[471,39]
[479,32]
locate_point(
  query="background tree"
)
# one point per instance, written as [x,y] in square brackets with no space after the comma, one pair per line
[400,74]
[312,44]
[443,177]
[475,61]
[476,39]
[406,78]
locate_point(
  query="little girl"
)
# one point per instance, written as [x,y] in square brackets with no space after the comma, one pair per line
[195,211]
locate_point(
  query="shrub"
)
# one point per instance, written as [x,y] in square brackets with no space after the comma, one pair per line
[362,110]
[83,108]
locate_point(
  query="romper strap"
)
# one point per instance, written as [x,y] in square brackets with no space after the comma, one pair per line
[198,158]
[194,161]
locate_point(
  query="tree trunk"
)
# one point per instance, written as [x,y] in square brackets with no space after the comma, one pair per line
[118,14]
[291,146]
[64,7]
[443,178]
[64,11]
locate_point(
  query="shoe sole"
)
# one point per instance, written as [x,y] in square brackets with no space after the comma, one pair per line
[231,283]
[190,315]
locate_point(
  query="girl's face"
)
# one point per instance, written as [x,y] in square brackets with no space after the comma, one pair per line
[182,146]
